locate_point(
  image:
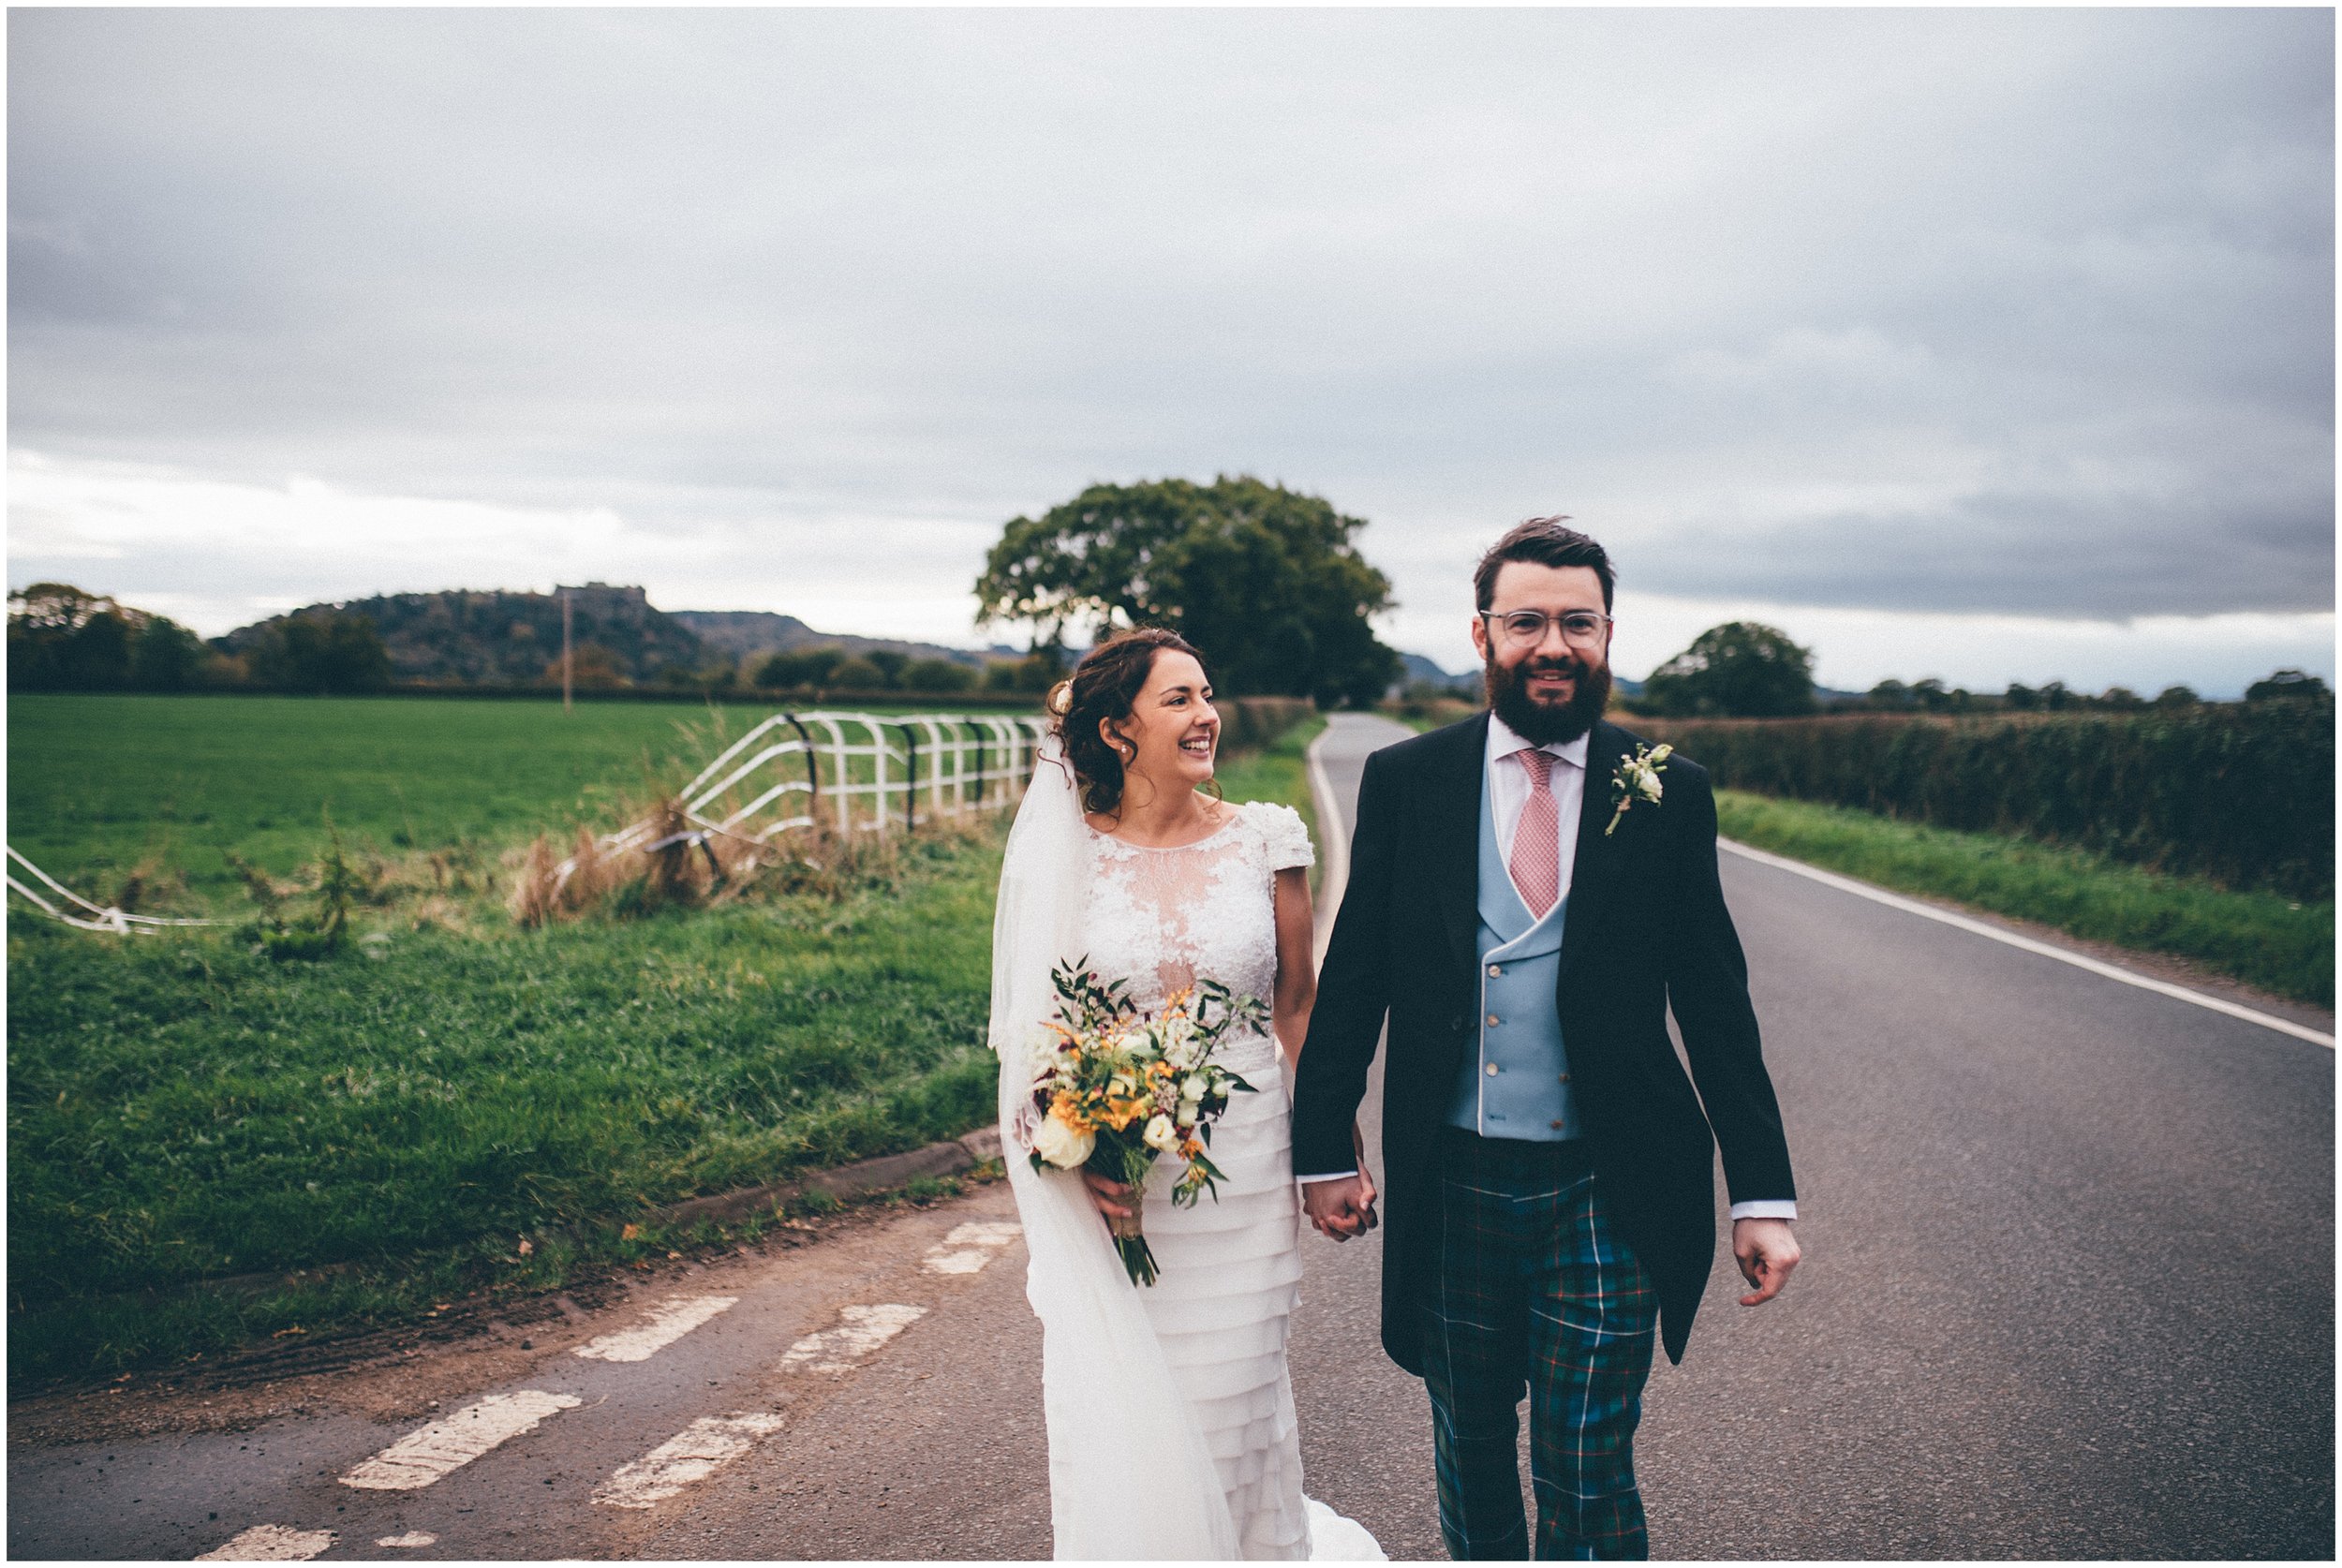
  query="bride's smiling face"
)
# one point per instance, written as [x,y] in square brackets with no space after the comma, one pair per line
[1172,732]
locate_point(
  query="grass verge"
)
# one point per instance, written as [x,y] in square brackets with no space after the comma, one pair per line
[2262,938]
[1279,772]
[183,1107]
[410,1111]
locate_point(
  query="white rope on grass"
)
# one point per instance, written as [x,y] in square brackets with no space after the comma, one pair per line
[105,917]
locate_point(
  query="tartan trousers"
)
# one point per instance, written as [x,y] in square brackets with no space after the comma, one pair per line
[1533,1289]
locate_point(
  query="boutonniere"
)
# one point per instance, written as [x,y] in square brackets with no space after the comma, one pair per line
[1637,777]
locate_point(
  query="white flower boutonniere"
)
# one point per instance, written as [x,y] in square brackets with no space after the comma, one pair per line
[1637,777]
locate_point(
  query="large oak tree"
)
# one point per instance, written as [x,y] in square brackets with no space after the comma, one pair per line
[1739,670]
[1265,580]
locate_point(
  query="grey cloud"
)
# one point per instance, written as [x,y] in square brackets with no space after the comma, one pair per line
[2057,282]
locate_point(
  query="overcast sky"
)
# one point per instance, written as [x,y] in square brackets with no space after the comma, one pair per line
[1986,344]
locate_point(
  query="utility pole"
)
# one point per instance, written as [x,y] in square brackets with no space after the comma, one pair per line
[565,650]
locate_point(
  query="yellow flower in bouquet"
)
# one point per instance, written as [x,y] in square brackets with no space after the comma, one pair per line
[1118,1088]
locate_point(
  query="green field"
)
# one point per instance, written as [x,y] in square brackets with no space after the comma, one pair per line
[182,1107]
[101,785]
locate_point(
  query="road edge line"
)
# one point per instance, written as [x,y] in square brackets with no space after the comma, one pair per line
[1978,928]
[1333,843]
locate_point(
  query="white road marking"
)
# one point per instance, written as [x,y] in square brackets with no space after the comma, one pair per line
[271,1543]
[428,1453]
[969,1247]
[1978,928]
[669,1322]
[845,1347]
[692,1455]
[1333,844]
[413,1538]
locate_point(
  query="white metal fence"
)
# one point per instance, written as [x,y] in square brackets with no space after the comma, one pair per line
[852,773]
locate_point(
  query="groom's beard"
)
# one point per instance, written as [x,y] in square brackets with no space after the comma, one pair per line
[1545,724]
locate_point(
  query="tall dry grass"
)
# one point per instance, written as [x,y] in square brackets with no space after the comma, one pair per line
[672,864]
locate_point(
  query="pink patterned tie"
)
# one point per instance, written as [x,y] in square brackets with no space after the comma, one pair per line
[1536,862]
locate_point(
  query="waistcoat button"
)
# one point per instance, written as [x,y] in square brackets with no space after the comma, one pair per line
[1491,1070]
[1496,969]
[1491,1020]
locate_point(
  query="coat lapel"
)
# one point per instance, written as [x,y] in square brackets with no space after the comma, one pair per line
[1596,865]
[1456,784]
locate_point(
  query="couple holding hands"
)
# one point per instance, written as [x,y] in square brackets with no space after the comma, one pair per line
[1531,892]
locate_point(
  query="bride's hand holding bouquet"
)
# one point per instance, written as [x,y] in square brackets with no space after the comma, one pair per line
[1117,1088]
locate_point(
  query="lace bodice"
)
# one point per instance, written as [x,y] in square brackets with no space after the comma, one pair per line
[1163,918]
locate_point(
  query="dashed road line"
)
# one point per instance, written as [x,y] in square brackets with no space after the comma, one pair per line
[968,1248]
[669,1322]
[271,1543]
[692,1455]
[428,1453]
[844,1348]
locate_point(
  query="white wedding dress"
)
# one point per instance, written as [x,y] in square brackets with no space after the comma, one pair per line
[1167,1403]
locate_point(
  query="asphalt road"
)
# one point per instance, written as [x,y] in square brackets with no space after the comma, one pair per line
[2069,1294]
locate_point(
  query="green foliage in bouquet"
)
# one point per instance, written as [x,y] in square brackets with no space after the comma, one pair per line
[1122,1087]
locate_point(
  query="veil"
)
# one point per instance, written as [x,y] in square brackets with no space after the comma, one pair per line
[1130,1474]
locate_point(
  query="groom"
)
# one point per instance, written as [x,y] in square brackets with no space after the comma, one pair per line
[1549,1168]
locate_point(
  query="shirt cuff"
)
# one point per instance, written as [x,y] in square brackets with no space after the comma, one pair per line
[1329,1176]
[1766,1208]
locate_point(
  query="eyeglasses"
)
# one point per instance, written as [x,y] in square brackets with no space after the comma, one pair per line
[1526,628]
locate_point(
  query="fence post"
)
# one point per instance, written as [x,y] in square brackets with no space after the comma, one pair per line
[935,768]
[812,766]
[911,782]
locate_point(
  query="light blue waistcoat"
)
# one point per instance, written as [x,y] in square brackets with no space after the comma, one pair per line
[1518,1085]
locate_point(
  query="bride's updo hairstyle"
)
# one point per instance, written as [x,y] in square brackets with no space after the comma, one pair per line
[1105,685]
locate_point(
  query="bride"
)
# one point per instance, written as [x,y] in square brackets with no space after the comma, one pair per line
[1169,1409]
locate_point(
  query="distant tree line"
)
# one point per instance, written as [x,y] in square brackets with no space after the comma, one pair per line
[834,668]
[1747,669]
[63,638]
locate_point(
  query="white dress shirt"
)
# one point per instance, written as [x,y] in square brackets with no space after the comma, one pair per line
[1508,790]
[1508,787]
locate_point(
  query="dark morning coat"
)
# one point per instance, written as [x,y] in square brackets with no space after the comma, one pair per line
[1647,929]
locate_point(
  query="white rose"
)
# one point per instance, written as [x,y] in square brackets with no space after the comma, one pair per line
[1192,1090]
[1649,785]
[1060,1146]
[1161,1135]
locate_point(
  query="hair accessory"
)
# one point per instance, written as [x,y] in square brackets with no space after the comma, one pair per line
[1061,699]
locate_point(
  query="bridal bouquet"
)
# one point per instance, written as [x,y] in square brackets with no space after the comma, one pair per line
[1120,1087]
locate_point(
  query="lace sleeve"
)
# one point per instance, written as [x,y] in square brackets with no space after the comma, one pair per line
[1284,834]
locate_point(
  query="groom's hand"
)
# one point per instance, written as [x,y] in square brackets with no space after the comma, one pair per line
[1766,1251]
[1340,1208]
